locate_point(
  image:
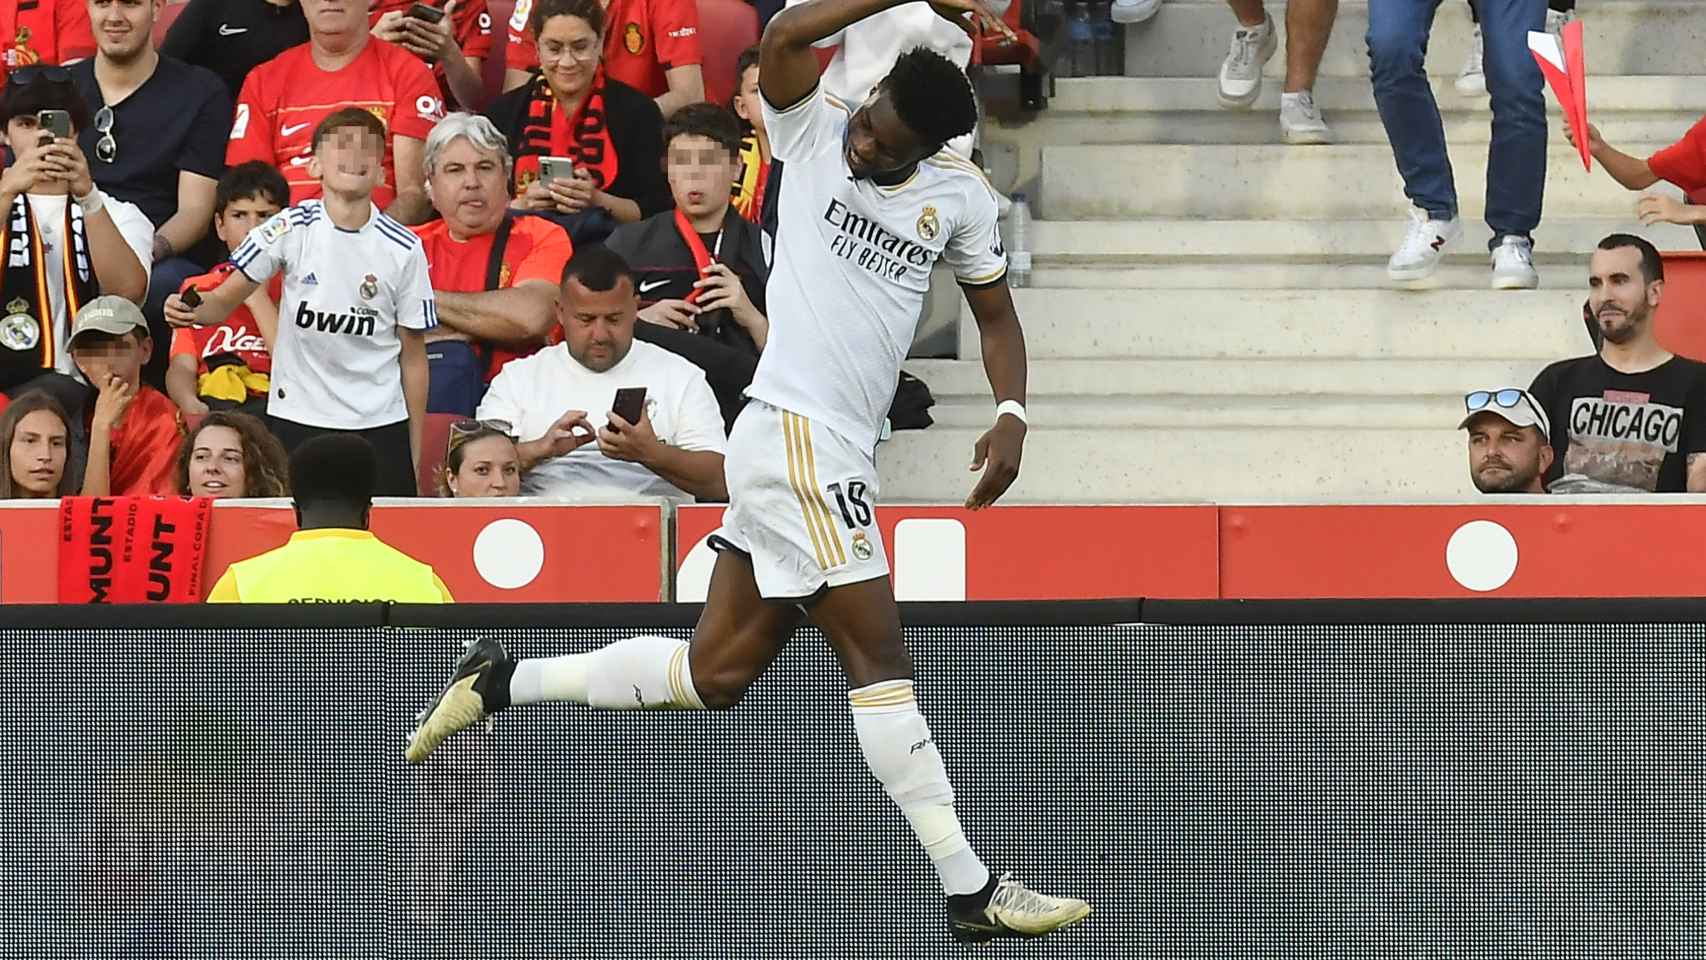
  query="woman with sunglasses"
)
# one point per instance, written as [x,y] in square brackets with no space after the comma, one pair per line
[69,241]
[482,461]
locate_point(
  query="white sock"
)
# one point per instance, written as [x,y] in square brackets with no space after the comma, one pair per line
[902,755]
[641,671]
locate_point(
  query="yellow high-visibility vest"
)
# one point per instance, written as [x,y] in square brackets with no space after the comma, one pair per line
[331,566]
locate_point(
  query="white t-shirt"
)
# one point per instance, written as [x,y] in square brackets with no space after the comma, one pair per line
[532,392]
[335,364]
[866,51]
[49,213]
[849,283]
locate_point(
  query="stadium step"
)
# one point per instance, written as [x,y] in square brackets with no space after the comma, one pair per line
[1188,38]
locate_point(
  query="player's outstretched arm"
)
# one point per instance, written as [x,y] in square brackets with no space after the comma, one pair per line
[1000,448]
[787,66]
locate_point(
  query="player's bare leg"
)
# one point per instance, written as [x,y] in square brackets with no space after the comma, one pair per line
[738,636]
[862,622]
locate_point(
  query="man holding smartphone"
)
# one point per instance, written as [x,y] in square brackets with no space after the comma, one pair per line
[663,435]
[454,39]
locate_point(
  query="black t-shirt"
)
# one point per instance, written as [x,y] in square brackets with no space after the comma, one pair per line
[233,37]
[1615,432]
[179,119]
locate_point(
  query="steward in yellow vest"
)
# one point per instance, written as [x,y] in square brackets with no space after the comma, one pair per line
[332,558]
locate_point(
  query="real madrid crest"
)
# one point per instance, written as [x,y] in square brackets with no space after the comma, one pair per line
[928,225]
[862,545]
[632,39]
[273,229]
[19,330]
[369,287]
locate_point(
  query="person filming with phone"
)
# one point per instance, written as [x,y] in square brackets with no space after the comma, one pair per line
[602,416]
[68,241]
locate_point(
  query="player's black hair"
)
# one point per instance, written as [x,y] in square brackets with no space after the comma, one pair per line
[592,11]
[1652,263]
[704,120]
[348,117]
[932,96]
[251,180]
[597,268]
[334,469]
[39,87]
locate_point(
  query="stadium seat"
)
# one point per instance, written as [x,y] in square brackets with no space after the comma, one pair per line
[435,433]
[726,27]
[1681,323]
[164,23]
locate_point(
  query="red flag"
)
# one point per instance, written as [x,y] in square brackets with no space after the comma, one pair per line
[1565,68]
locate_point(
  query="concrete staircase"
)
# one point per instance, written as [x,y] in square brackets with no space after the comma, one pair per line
[1209,316]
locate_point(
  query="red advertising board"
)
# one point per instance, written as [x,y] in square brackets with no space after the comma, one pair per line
[523,551]
[1017,552]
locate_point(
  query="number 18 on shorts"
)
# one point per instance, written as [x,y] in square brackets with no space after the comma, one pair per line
[801,504]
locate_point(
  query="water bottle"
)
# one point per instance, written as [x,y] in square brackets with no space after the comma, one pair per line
[1082,35]
[1019,247]
[1107,42]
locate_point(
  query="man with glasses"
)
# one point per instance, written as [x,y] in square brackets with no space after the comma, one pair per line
[158,141]
[1510,448]
[1631,418]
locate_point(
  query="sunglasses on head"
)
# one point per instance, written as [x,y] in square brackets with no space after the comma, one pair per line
[24,76]
[1508,398]
[461,431]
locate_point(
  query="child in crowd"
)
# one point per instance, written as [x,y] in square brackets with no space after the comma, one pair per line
[228,365]
[134,430]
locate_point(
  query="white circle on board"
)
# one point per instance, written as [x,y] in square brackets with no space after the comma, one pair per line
[509,554]
[1481,556]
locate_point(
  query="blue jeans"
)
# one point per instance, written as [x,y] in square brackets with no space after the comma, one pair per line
[1516,159]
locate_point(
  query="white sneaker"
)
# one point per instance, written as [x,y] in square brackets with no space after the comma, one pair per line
[1301,121]
[1513,265]
[1134,11]
[1471,82]
[1241,71]
[1423,247]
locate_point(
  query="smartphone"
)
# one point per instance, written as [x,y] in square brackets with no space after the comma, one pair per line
[427,12]
[555,168]
[56,122]
[630,404]
[191,298]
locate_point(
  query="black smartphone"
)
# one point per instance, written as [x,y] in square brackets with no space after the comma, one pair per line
[56,122]
[191,298]
[427,12]
[630,404]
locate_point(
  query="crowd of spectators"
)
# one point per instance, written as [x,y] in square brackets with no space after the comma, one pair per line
[464,240]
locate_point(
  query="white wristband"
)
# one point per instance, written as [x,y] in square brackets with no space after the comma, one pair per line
[1013,407]
[92,202]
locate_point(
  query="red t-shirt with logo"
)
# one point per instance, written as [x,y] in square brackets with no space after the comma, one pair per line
[44,31]
[537,250]
[239,334]
[1684,162]
[284,99]
[642,39]
[471,25]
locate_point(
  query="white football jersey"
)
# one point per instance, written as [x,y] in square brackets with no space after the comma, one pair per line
[853,267]
[335,364]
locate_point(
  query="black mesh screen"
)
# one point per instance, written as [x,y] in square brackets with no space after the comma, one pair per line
[1248,792]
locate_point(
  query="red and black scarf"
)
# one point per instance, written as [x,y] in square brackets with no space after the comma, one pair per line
[550,132]
[24,287]
[702,257]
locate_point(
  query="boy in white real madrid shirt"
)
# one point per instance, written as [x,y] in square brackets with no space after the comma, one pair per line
[348,355]
[870,203]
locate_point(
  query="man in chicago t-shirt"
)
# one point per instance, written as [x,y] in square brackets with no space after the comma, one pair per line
[1632,418]
[350,355]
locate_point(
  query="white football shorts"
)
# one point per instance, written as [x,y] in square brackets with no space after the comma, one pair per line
[802,505]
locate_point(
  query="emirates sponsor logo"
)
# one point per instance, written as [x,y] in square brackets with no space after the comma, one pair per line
[233,340]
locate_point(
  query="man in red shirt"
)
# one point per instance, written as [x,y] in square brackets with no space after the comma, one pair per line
[456,46]
[134,430]
[1682,163]
[494,273]
[55,31]
[229,364]
[650,45]
[340,66]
